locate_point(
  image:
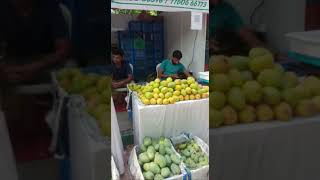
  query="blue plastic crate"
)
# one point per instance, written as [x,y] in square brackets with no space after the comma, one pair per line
[157,27]
[149,45]
[129,59]
[158,45]
[158,54]
[126,44]
[139,54]
[135,26]
[139,64]
[149,50]
[124,35]
[147,27]
[157,37]
[149,57]
[148,37]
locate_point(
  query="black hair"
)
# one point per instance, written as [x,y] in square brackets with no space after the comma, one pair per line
[117,51]
[177,54]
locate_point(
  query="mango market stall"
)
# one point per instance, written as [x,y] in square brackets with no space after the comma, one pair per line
[263,119]
[180,34]
[160,117]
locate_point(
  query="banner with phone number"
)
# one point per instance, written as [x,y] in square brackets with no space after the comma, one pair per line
[163,5]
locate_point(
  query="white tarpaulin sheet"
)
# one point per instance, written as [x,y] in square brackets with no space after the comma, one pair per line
[163,5]
[116,141]
[114,170]
[170,120]
[265,151]
[7,162]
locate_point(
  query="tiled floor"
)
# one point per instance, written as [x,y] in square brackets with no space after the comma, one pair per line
[125,124]
[123,121]
[126,175]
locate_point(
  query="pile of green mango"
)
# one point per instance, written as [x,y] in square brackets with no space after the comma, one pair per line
[192,155]
[157,159]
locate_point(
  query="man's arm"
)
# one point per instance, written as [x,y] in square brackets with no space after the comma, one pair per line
[126,81]
[161,75]
[250,38]
[186,73]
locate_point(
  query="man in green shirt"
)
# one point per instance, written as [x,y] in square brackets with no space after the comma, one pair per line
[228,34]
[172,67]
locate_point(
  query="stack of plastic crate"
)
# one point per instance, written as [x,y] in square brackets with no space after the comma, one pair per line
[158,39]
[143,47]
[126,44]
[149,47]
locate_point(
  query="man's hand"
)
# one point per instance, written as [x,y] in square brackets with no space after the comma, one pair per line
[175,76]
[116,85]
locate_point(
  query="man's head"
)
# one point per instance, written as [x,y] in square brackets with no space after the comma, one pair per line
[176,56]
[214,2]
[117,56]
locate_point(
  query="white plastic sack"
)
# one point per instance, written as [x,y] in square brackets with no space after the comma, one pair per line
[114,170]
[54,115]
[200,173]
[203,172]
[136,172]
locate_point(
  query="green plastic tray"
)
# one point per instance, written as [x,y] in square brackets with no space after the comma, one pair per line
[305,59]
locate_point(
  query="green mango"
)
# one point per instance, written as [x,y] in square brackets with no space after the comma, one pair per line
[147,141]
[148,175]
[143,148]
[182,146]
[158,177]
[175,169]
[165,172]
[143,157]
[162,149]
[175,159]
[154,168]
[168,160]
[169,151]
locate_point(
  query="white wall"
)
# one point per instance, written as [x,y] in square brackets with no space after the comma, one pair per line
[280,20]
[178,35]
[279,17]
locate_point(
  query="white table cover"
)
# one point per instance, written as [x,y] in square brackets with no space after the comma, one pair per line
[170,120]
[264,151]
[116,141]
[8,169]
